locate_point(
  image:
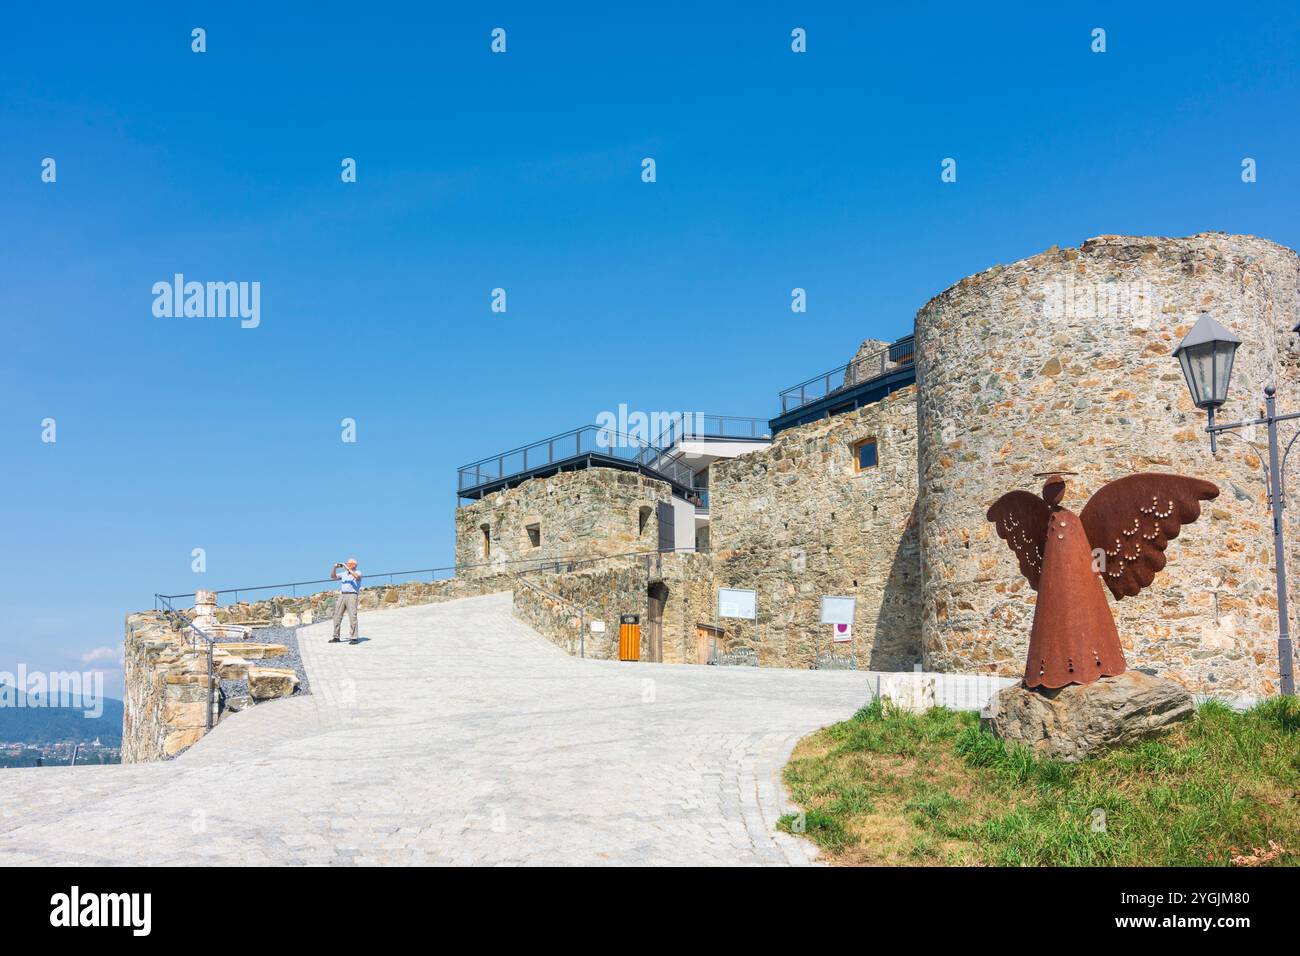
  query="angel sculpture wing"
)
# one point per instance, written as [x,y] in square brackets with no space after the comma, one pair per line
[1022,519]
[1132,519]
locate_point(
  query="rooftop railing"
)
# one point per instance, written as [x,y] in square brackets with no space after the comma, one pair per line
[578,443]
[695,425]
[893,357]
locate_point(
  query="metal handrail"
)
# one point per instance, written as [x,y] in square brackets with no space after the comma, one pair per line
[294,585]
[195,629]
[891,358]
[586,440]
[582,612]
[541,564]
[744,427]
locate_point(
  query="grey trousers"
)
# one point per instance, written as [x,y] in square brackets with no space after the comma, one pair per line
[346,602]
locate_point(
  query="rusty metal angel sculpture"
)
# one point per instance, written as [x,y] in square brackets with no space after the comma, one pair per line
[1131,520]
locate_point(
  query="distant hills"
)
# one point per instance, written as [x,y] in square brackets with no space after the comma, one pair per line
[50,725]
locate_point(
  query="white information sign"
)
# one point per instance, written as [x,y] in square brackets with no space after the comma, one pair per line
[738,602]
[598,627]
[838,610]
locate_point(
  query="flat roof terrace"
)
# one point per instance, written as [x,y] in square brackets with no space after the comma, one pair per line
[585,447]
[603,447]
[863,381]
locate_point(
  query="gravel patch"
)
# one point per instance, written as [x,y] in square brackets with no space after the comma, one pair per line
[274,634]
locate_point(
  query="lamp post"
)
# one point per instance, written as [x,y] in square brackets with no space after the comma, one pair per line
[1206,356]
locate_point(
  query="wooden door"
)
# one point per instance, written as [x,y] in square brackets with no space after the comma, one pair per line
[708,641]
[656,598]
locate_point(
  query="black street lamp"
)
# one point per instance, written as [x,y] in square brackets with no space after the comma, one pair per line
[1206,357]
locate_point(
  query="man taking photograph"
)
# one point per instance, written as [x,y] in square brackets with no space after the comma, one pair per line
[349,593]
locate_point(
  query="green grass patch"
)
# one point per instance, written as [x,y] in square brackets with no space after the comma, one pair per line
[895,788]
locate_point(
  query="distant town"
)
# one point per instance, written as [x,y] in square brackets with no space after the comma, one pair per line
[59,754]
[34,735]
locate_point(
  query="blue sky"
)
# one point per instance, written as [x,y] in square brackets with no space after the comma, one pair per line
[522,171]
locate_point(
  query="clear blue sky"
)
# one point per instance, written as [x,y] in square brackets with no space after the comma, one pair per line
[522,170]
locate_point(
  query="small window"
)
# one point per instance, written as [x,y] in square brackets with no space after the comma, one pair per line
[534,535]
[643,519]
[487,540]
[864,454]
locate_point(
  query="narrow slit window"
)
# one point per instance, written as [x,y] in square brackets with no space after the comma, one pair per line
[643,519]
[534,535]
[487,540]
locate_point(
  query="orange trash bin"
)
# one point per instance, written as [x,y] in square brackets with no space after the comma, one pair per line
[629,637]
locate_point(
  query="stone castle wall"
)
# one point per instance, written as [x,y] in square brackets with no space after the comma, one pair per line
[594,512]
[1063,361]
[602,591]
[165,683]
[606,590]
[690,581]
[797,521]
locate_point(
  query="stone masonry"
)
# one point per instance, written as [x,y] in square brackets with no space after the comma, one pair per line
[797,521]
[1063,361]
[595,512]
[166,687]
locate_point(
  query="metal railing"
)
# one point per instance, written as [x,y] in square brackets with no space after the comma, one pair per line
[555,565]
[195,631]
[830,661]
[740,657]
[587,440]
[893,357]
[388,577]
[699,425]
[560,599]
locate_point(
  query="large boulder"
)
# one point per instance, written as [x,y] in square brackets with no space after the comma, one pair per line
[268,683]
[250,650]
[1076,722]
[231,668]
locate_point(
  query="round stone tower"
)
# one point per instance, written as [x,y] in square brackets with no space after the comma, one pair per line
[1063,362]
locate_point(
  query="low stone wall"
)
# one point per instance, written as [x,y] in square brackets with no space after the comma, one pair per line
[166,689]
[603,593]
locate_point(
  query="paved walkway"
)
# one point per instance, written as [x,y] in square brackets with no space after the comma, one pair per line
[455,734]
